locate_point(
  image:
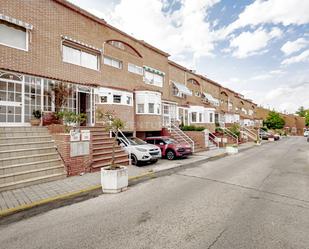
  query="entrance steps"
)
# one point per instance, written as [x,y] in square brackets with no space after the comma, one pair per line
[102,147]
[28,156]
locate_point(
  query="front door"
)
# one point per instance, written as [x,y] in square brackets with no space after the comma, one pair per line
[11,102]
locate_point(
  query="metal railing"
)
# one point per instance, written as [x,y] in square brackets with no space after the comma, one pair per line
[250,133]
[182,135]
[213,138]
[231,134]
[126,140]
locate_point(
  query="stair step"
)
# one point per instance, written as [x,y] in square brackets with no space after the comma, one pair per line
[99,153]
[109,158]
[100,165]
[31,181]
[28,159]
[29,166]
[17,146]
[22,128]
[5,155]
[23,139]
[23,133]
[7,178]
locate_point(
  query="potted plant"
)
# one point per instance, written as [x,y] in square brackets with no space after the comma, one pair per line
[36,120]
[115,177]
[231,149]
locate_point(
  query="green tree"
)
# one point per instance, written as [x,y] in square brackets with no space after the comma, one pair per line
[302,112]
[307,118]
[274,121]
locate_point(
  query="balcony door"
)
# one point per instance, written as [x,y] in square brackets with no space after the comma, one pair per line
[11,99]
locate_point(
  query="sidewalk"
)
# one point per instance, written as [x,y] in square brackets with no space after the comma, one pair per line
[17,200]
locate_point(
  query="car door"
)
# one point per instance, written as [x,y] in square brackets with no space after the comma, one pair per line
[160,143]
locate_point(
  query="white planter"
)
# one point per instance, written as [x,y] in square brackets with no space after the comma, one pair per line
[114,181]
[231,150]
[271,139]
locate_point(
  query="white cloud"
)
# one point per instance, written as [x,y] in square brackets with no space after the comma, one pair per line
[251,43]
[272,11]
[183,31]
[291,47]
[303,57]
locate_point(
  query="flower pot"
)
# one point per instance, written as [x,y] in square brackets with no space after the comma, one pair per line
[35,122]
[231,150]
[114,181]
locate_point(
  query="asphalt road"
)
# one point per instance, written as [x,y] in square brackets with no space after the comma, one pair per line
[256,199]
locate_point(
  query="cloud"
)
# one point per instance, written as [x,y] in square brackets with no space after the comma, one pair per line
[285,12]
[251,43]
[303,57]
[291,47]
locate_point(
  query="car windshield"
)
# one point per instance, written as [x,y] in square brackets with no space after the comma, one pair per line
[136,141]
[169,141]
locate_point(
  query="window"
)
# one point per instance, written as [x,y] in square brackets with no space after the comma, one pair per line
[153,79]
[200,117]
[140,108]
[129,99]
[117,44]
[151,107]
[13,36]
[135,69]
[148,102]
[211,118]
[117,98]
[193,117]
[103,99]
[81,58]
[112,62]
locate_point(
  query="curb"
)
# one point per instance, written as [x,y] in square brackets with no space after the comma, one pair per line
[94,191]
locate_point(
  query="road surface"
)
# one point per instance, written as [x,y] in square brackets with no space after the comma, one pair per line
[256,199]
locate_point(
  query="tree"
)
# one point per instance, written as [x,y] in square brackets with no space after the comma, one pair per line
[307,118]
[113,124]
[274,121]
[301,111]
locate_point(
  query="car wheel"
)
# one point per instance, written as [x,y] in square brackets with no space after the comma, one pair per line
[134,160]
[170,155]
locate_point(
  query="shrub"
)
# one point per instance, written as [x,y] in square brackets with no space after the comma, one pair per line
[191,128]
[37,114]
[235,128]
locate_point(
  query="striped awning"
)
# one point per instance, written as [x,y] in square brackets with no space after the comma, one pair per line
[182,88]
[152,70]
[16,21]
[211,99]
[81,43]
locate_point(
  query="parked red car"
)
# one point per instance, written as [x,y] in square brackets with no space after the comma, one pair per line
[170,148]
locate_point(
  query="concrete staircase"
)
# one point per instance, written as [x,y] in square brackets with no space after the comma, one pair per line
[28,156]
[102,147]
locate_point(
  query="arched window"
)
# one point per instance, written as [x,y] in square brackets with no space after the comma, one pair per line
[124,46]
[224,93]
[194,81]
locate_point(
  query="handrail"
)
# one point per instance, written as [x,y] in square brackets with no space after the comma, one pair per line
[126,140]
[213,138]
[251,133]
[183,135]
[230,133]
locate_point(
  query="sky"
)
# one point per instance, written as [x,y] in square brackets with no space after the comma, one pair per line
[259,48]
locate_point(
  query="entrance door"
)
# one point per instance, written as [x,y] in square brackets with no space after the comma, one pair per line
[11,92]
[85,105]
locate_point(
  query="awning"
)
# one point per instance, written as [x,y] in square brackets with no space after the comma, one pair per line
[81,43]
[16,22]
[182,88]
[152,70]
[211,99]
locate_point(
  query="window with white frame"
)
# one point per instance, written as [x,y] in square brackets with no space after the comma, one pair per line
[114,97]
[148,102]
[112,62]
[135,69]
[153,77]
[211,117]
[79,57]
[194,117]
[13,36]
[250,112]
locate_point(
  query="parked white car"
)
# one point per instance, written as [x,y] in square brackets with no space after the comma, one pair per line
[139,150]
[306,133]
